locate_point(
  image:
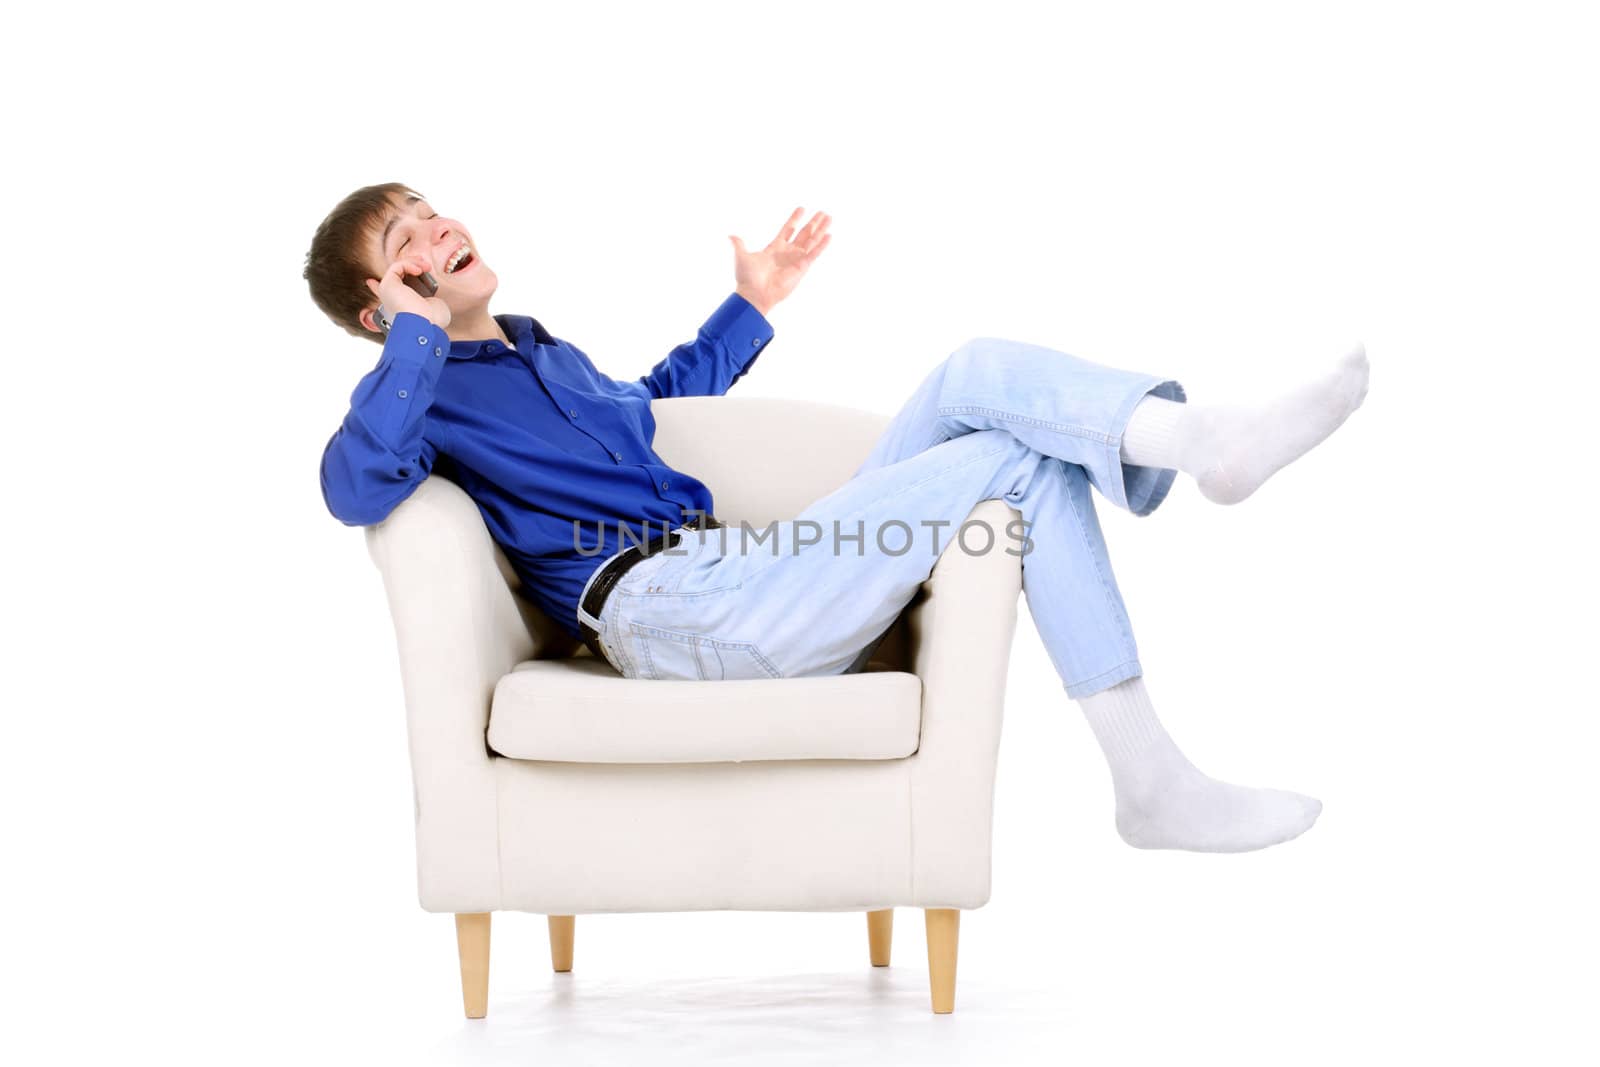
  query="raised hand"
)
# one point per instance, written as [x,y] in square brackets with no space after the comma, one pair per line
[769,275]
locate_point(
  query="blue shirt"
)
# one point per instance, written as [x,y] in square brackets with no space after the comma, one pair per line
[536,436]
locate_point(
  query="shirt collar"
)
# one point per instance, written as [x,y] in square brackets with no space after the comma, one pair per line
[520,328]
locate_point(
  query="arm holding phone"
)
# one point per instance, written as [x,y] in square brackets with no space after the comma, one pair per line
[379,455]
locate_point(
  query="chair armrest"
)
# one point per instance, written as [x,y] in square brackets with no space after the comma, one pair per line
[958,635]
[459,629]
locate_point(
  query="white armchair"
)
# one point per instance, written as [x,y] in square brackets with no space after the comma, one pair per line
[546,782]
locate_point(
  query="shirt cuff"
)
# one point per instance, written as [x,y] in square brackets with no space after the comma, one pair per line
[415,341]
[743,330]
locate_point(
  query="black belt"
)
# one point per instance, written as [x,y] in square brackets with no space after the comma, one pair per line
[614,568]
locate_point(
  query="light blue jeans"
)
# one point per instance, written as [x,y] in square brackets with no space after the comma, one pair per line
[813,595]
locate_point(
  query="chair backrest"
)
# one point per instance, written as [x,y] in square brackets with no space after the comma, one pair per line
[764,458]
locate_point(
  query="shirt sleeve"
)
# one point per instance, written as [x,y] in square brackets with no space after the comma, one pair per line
[379,455]
[725,348]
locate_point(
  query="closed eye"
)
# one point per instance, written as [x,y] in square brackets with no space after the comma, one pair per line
[407,241]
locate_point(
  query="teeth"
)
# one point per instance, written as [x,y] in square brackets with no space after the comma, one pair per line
[455,258]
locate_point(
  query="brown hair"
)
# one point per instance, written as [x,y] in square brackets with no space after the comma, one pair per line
[335,269]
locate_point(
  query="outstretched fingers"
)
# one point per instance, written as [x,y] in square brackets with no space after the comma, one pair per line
[786,233]
[814,232]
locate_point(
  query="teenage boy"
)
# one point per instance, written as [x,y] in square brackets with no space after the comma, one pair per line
[550,449]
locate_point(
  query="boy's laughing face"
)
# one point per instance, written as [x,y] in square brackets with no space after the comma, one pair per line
[412,228]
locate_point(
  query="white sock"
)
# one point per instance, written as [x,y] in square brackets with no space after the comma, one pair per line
[1231,450]
[1164,801]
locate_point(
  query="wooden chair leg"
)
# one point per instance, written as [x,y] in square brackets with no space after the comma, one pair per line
[880,932]
[943,926]
[562,930]
[472,943]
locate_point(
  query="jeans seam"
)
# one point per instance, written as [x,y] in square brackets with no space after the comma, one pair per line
[695,641]
[647,659]
[1106,586]
[1011,416]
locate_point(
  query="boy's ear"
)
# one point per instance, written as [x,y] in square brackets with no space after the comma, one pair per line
[367,315]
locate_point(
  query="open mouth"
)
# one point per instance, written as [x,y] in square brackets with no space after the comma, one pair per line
[462,259]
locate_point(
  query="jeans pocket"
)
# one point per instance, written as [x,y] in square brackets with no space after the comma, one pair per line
[678,655]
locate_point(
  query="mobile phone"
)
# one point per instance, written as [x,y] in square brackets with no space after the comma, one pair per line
[424,284]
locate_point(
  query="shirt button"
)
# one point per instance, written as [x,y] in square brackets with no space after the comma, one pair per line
[573,413]
[402,394]
[422,340]
[618,456]
[438,351]
[755,342]
[663,485]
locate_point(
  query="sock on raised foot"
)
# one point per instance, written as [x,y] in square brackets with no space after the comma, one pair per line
[1164,801]
[1230,450]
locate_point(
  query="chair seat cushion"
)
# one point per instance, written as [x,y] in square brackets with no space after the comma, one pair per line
[580,710]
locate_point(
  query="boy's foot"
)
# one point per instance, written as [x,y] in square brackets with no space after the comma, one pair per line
[1164,801]
[1230,451]
[1168,803]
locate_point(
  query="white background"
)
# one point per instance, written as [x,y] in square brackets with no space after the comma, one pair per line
[208,828]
